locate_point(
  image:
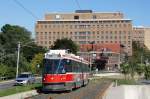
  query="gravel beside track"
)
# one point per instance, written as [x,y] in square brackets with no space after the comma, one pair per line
[94,90]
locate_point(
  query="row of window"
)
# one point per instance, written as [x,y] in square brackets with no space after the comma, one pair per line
[85,37]
[85,42]
[86,22]
[102,37]
[84,33]
[84,26]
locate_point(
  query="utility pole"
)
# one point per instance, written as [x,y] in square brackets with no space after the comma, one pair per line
[18,59]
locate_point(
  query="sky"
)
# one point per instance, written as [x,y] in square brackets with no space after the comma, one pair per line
[12,13]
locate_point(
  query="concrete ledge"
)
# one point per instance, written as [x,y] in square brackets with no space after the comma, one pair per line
[21,95]
[106,91]
[129,92]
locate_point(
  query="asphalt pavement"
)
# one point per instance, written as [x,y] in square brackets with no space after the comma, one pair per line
[10,83]
[7,84]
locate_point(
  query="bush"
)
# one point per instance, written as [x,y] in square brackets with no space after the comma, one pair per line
[7,72]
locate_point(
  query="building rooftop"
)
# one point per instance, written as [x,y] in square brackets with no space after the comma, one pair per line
[99,47]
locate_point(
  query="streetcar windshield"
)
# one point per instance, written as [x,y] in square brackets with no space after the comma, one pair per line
[54,66]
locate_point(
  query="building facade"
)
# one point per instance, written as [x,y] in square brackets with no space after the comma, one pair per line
[142,35]
[103,56]
[138,35]
[147,37]
[85,26]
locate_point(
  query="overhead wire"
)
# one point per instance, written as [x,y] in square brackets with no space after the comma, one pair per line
[78,4]
[27,10]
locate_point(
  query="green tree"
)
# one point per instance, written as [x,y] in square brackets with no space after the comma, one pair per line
[3,70]
[36,63]
[125,69]
[140,69]
[66,44]
[11,35]
[29,50]
[147,72]
[7,71]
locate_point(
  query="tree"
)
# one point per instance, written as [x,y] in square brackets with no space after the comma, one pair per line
[29,51]
[7,71]
[10,35]
[147,72]
[36,63]
[140,69]
[3,70]
[125,69]
[65,44]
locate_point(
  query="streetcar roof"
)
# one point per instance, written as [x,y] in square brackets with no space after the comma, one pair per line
[63,54]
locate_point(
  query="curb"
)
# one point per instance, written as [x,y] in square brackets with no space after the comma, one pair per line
[21,95]
[107,89]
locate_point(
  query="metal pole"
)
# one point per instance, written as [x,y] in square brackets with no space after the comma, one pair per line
[18,59]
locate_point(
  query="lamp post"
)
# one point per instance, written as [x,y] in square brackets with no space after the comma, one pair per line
[18,56]
[18,59]
[91,55]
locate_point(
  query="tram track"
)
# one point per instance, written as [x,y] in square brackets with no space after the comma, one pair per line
[94,90]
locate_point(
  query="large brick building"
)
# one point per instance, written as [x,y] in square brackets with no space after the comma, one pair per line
[142,35]
[85,26]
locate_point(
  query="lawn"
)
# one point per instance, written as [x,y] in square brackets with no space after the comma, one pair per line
[18,89]
[122,81]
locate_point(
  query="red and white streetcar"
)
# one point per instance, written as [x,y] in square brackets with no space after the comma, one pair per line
[64,71]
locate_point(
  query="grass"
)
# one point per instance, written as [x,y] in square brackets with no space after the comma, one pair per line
[123,81]
[126,82]
[18,89]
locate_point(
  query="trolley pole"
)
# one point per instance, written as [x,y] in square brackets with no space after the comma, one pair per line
[18,59]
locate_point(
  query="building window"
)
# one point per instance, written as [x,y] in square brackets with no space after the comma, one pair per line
[45,42]
[76,17]
[45,26]
[97,32]
[110,37]
[57,16]
[94,16]
[106,37]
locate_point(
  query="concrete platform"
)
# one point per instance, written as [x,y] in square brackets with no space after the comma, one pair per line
[128,92]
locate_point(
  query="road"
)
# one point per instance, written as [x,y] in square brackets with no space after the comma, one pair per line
[6,84]
[10,83]
[94,90]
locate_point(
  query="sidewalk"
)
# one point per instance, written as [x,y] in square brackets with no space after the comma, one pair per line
[21,95]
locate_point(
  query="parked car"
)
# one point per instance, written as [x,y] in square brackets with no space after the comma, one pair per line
[25,79]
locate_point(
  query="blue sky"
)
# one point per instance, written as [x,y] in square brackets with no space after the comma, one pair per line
[11,13]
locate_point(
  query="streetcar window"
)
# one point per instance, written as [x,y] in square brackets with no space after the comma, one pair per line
[68,65]
[54,66]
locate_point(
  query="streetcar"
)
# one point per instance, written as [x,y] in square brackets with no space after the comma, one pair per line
[64,71]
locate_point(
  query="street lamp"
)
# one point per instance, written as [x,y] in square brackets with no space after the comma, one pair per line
[18,59]
[91,55]
[18,55]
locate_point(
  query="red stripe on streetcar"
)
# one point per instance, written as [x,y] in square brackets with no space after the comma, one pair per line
[55,78]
